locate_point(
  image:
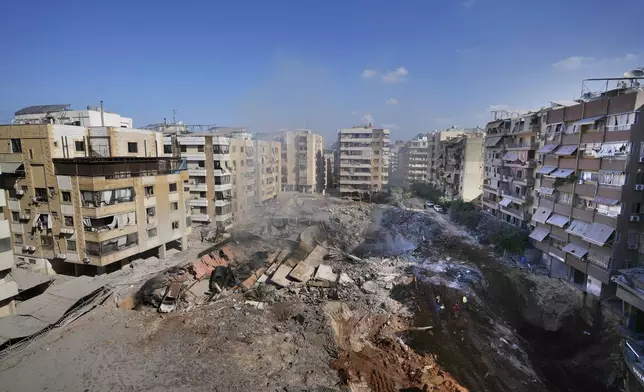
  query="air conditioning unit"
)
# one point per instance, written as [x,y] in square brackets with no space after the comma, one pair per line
[86,260]
[634,218]
[633,246]
[60,256]
[20,192]
[641,160]
[25,248]
[32,248]
[67,230]
[23,216]
[639,187]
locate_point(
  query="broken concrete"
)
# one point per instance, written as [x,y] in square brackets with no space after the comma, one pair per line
[279,277]
[325,272]
[302,272]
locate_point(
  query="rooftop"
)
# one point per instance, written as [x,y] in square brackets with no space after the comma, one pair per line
[118,167]
[38,109]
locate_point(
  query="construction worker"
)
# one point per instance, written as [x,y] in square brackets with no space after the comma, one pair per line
[457,310]
[438,305]
[464,302]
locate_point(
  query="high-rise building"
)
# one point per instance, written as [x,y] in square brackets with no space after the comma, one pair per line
[244,194]
[267,163]
[329,168]
[364,160]
[588,220]
[459,167]
[415,164]
[302,161]
[207,156]
[510,160]
[435,152]
[396,175]
[86,200]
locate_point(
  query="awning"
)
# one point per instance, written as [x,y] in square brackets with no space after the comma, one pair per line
[611,172]
[511,156]
[505,202]
[548,148]
[546,169]
[541,215]
[577,227]
[587,121]
[605,201]
[576,250]
[9,167]
[598,234]
[558,220]
[539,234]
[492,141]
[546,191]
[36,219]
[563,173]
[566,150]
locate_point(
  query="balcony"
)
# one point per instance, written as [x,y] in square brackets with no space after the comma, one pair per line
[525,181]
[116,167]
[201,172]
[223,187]
[202,187]
[529,164]
[519,214]
[200,202]
[114,245]
[490,203]
[224,217]
[516,197]
[200,218]
[521,146]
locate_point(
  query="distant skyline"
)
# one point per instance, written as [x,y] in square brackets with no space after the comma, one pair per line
[414,67]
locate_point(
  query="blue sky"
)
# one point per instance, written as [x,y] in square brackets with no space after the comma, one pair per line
[415,65]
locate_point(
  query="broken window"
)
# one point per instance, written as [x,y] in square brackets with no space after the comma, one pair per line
[172,187]
[69,220]
[102,198]
[79,145]
[152,232]
[167,149]
[175,225]
[174,206]
[132,147]
[621,122]
[66,196]
[16,146]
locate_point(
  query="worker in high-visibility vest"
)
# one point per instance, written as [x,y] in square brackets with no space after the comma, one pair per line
[464,302]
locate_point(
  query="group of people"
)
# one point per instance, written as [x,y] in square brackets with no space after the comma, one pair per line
[440,307]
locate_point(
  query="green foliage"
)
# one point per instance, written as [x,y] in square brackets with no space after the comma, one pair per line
[425,191]
[397,195]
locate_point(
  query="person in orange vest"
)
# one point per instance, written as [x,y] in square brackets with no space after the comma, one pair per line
[457,309]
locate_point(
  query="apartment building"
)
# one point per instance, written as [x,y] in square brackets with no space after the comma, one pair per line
[302,161]
[459,167]
[207,156]
[329,168]
[86,200]
[268,180]
[8,286]
[244,194]
[414,159]
[510,160]
[364,160]
[65,115]
[435,153]
[396,174]
[588,220]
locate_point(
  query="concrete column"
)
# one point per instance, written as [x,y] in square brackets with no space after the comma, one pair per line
[184,242]
[162,251]
[100,270]
[76,268]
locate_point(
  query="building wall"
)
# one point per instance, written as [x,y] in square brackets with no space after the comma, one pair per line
[84,118]
[472,169]
[62,248]
[364,160]
[302,161]
[8,287]
[243,177]
[268,180]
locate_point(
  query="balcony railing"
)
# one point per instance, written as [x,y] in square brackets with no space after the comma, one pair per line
[105,248]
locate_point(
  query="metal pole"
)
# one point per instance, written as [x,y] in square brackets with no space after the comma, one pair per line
[102,116]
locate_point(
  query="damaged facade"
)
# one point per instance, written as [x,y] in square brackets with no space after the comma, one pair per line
[302,161]
[8,286]
[364,160]
[413,159]
[82,200]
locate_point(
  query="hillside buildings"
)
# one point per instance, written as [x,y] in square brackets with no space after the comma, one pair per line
[85,200]
[364,160]
[396,173]
[413,159]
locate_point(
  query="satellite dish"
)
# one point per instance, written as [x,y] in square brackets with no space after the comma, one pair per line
[634,73]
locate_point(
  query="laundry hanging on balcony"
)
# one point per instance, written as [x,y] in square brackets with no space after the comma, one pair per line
[511,156]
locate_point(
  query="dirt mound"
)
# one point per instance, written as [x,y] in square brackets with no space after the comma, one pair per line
[371,357]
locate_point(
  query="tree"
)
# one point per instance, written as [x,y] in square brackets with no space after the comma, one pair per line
[425,191]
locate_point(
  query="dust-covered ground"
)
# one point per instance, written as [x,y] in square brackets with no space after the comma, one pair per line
[377,329]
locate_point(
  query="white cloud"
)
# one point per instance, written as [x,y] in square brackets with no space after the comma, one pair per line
[573,63]
[369,73]
[395,76]
[354,113]
[469,3]
[392,101]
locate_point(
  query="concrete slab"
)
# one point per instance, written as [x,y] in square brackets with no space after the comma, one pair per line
[279,277]
[316,256]
[325,272]
[283,255]
[302,272]
[272,268]
[292,262]
[200,288]
[345,280]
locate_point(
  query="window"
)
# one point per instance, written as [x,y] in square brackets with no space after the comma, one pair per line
[233,148]
[41,194]
[557,242]
[174,206]
[66,196]
[564,198]
[175,225]
[17,239]
[167,149]
[589,176]
[241,149]
[31,154]
[132,147]
[15,216]
[152,232]
[151,211]
[173,186]
[636,208]
[612,178]
[621,122]
[16,146]
[598,258]
[201,164]
[47,242]
[69,220]
[149,190]
[183,148]
[200,148]
[71,245]
[79,145]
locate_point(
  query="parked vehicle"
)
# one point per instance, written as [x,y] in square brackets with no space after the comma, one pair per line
[438,208]
[429,204]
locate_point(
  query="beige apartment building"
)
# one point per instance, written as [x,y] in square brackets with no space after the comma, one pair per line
[510,161]
[207,156]
[396,175]
[588,219]
[459,167]
[8,286]
[413,159]
[329,168]
[364,160]
[87,200]
[302,160]
[244,194]
[435,153]
[267,160]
